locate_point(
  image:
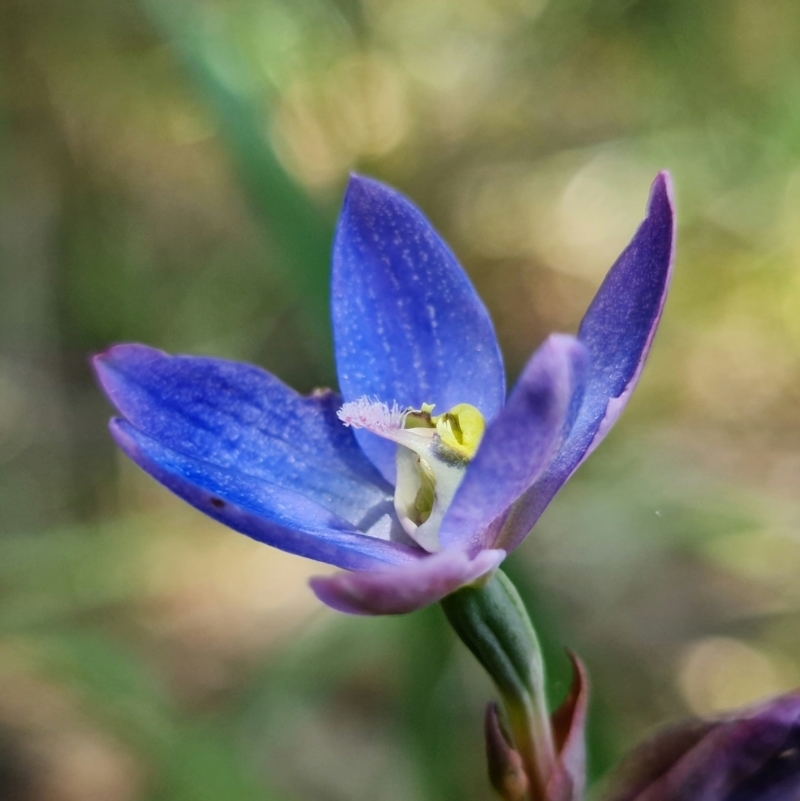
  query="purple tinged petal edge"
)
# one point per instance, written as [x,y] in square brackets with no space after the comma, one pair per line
[405,588]
[519,443]
[662,192]
[613,372]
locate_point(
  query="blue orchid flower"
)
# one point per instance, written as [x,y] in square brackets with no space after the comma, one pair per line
[422,475]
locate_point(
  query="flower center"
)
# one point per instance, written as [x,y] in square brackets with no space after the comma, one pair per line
[433,453]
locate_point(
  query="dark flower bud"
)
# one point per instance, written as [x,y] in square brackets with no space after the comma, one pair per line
[751,755]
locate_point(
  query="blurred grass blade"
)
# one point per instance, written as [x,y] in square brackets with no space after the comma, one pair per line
[302,232]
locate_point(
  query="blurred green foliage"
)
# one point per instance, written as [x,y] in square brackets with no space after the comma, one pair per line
[170,173]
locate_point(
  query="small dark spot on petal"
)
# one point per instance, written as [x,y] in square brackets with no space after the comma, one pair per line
[218,503]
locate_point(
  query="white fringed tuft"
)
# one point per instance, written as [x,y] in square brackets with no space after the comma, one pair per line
[374,415]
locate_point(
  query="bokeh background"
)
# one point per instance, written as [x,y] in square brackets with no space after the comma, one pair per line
[170,173]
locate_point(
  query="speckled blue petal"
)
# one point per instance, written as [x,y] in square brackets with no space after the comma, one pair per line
[402,589]
[266,512]
[407,323]
[239,417]
[519,444]
[617,331]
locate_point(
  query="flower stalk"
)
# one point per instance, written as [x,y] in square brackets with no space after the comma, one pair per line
[491,620]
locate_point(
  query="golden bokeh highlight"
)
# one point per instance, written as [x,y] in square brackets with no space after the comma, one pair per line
[719,674]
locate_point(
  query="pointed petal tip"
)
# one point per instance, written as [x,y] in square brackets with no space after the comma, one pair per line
[570,359]
[105,358]
[357,179]
[366,194]
[362,197]
[106,363]
[664,178]
[662,194]
[354,182]
[565,356]
[567,345]
[116,354]
[360,187]
[97,364]
[102,365]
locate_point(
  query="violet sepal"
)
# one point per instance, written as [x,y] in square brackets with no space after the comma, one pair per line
[618,331]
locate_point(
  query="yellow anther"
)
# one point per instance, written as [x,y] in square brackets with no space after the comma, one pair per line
[461,429]
[432,457]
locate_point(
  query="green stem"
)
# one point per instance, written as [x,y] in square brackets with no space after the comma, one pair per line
[491,620]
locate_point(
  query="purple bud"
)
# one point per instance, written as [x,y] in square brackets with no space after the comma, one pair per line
[751,755]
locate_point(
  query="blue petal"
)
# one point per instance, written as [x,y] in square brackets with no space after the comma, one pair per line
[266,512]
[240,417]
[407,323]
[617,330]
[519,444]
